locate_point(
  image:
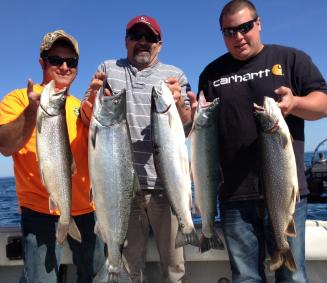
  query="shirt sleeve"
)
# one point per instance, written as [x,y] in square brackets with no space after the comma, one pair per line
[12,105]
[307,77]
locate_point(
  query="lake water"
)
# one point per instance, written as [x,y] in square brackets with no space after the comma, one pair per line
[9,215]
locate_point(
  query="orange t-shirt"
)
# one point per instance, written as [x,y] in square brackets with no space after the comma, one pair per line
[30,190]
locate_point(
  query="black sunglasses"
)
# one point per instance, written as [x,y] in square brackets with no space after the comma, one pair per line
[137,35]
[243,28]
[58,61]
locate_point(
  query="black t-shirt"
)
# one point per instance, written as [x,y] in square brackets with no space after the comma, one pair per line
[239,84]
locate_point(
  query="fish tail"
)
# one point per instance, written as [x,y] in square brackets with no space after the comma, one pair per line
[184,239]
[283,257]
[73,231]
[62,231]
[211,243]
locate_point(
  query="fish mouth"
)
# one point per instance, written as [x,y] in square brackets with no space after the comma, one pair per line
[257,108]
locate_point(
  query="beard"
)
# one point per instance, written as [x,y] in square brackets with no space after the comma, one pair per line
[142,55]
[142,58]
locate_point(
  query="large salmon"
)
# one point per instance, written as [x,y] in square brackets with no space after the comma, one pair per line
[171,160]
[206,171]
[56,163]
[279,179]
[113,177]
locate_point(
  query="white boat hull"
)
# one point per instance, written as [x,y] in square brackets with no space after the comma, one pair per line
[208,267]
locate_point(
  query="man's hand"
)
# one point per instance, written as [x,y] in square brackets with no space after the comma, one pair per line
[95,84]
[175,88]
[287,100]
[192,96]
[87,103]
[33,98]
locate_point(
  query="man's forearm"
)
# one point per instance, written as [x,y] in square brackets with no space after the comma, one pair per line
[14,135]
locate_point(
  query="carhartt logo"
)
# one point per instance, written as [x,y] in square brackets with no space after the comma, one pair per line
[241,78]
[277,70]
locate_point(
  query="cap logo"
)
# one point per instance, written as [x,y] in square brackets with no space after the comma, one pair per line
[144,19]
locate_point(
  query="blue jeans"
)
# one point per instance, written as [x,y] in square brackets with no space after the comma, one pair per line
[246,229]
[42,253]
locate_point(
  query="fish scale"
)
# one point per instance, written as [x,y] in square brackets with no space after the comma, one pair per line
[55,160]
[113,178]
[279,177]
[171,161]
[206,170]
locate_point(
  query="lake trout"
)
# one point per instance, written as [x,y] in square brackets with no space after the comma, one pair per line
[113,178]
[206,171]
[279,179]
[171,161]
[55,159]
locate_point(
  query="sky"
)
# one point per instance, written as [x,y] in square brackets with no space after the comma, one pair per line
[191,38]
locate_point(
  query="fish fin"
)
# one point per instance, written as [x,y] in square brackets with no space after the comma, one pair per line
[98,231]
[92,198]
[103,274]
[283,257]
[290,261]
[93,135]
[283,139]
[211,243]
[184,239]
[136,186]
[73,231]
[53,207]
[42,176]
[195,208]
[73,167]
[290,230]
[39,124]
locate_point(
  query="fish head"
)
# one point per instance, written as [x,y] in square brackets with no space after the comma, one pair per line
[268,115]
[206,111]
[110,110]
[52,101]
[162,98]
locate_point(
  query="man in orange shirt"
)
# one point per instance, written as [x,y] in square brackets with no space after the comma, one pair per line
[59,56]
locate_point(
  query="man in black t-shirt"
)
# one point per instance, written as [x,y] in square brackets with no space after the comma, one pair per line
[241,77]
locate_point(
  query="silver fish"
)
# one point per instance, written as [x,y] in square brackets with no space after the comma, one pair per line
[55,160]
[279,179]
[171,160]
[206,171]
[113,178]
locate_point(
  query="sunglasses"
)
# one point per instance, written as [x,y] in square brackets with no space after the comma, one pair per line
[58,61]
[149,37]
[243,28]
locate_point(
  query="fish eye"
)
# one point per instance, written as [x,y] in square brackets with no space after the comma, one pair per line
[117,101]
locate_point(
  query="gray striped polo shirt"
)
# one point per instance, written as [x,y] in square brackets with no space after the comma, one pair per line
[138,84]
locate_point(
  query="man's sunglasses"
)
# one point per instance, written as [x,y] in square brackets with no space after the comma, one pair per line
[58,61]
[149,37]
[243,28]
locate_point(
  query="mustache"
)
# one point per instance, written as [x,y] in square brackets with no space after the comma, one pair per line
[142,47]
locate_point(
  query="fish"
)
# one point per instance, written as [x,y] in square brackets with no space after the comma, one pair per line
[55,159]
[113,178]
[171,161]
[279,176]
[206,170]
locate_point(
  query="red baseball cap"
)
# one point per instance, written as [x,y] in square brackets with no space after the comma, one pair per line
[149,21]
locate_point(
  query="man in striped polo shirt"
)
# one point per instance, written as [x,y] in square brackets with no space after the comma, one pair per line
[138,73]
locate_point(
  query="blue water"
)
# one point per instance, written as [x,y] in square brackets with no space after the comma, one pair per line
[9,215]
